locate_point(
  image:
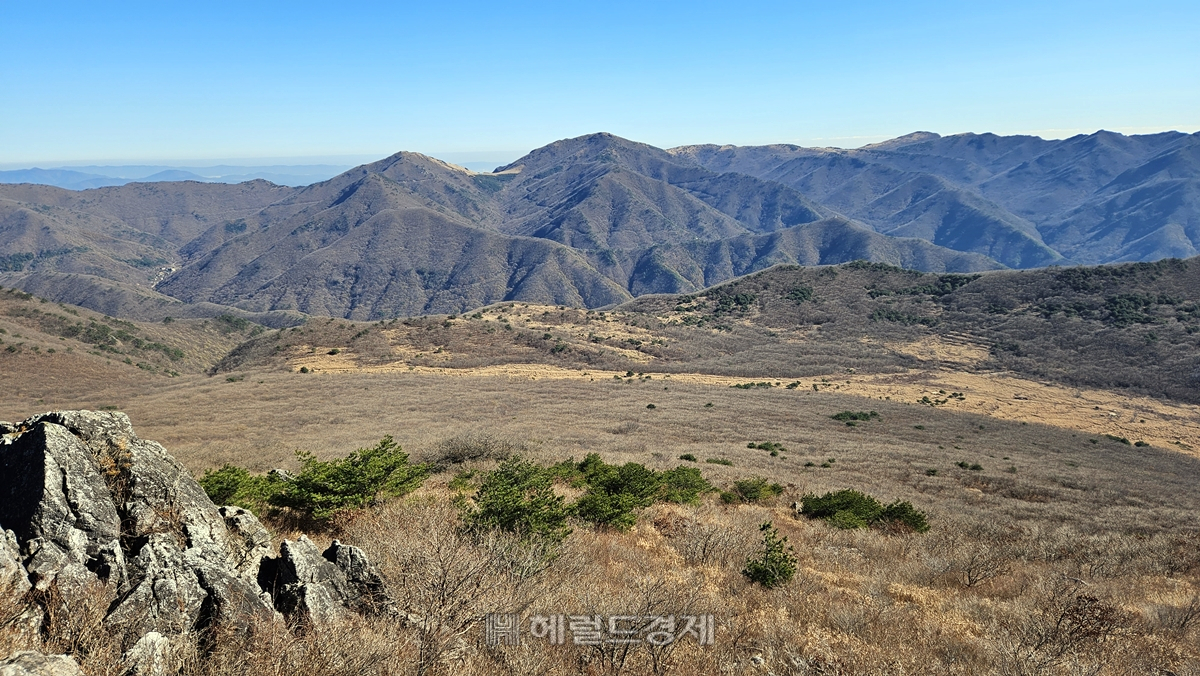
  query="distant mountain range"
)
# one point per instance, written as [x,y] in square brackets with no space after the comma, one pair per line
[84,178]
[598,219]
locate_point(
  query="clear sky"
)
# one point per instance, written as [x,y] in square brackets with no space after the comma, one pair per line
[159,81]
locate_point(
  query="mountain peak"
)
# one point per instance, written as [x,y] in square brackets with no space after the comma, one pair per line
[915,137]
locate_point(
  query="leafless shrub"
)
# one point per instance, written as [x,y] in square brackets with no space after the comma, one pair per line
[627,427]
[1177,617]
[474,447]
[445,579]
[76,627]
[1067,629]
[702,543]
[975,553]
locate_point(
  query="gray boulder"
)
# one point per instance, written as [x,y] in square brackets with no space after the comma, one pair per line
[370,592]
[54,497]
[90,503]
[32,663]
[14,579]
[305,586]
[252,541]
[150,656]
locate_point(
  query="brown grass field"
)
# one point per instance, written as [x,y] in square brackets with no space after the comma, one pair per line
[1069,552]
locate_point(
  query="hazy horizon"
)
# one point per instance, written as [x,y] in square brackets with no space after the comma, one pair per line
[488,158]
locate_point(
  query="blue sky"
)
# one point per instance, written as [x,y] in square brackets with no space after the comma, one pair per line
[165,81]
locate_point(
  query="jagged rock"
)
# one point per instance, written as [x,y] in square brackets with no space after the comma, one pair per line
[313,586]
[232,602]
[372,595]
[32,663]
[20,617]
[13,577]
[55,499]
[90,503]
[164,594]
[150,656]
[7,427]
[252,539]
[305,586]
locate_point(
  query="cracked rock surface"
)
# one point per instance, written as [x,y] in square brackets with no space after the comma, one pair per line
[87,504]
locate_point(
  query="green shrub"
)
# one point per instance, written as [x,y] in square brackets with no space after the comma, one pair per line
[615,510]
[825,506]
[755,489]
[232,485]
[904,514]
[615,493]
[719,461]
[688,456]
[518,497]
[847,520]
[776,564]
[684,485]
[358,480]
[855,509]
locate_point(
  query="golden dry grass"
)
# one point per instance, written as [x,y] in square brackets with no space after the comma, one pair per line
[1056,528]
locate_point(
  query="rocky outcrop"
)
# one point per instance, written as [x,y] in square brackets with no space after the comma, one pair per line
[91,506]
[316,586]
[31,663]
[369,593]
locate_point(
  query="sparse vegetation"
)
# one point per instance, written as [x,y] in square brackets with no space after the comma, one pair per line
[849,509]
[776,564]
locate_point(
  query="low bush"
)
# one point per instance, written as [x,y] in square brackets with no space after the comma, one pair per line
[616,492]
[776,564]
[754,489]
[323,488]
[846,416]
[855,509]
[518,497]
[232,485]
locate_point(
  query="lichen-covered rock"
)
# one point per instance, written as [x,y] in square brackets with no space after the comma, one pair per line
[305,586]
[252,541]
[163,594]
[89,502]
[54,497]
[32,663]
[371,595]
[14,579]
[92,506]
[150,656]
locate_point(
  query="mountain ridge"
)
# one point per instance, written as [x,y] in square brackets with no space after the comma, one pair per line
[598,219]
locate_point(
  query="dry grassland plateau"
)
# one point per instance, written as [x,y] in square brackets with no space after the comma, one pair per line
[1063,533]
